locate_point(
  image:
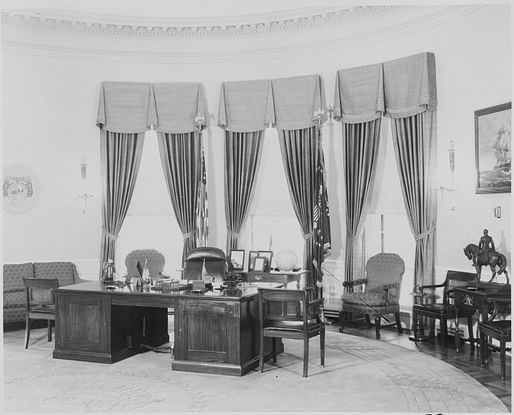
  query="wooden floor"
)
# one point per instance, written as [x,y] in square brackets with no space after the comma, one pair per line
[467,360]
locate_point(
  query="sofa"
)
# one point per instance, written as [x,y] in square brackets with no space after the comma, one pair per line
[14,290]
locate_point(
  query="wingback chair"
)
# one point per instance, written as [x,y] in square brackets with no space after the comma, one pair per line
[215,263]
[155,262]
[379,291]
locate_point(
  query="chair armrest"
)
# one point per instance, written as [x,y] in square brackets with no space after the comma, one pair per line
[14,290]
[396,284]
[355,282]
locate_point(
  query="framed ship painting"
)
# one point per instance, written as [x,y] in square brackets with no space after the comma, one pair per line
[493,142]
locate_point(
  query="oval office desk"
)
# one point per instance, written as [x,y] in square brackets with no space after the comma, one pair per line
[213,332]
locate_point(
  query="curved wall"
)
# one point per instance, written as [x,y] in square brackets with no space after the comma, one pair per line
[51,76]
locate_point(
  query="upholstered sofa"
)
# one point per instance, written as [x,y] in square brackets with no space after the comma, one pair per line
[14,291]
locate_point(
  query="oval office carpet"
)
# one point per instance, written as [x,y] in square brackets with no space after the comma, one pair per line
[360,375]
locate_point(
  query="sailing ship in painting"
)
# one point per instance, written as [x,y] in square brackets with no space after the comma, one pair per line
[500,175]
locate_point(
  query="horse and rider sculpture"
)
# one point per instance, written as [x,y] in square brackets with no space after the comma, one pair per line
[485,254]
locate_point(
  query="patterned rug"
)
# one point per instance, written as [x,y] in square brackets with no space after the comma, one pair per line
[360,375]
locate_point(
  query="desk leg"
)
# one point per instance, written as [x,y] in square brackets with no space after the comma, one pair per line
[457,338]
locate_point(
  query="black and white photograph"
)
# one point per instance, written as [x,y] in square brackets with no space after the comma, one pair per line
[269,206]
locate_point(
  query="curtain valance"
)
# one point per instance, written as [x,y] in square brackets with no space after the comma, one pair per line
[359,94]
[245,106]
[410,85]
[126,107]
[180,107]
[297,100]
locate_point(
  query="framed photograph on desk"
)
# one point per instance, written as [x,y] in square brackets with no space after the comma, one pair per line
[251,259]
[268,255]
[261,264]
[237,259]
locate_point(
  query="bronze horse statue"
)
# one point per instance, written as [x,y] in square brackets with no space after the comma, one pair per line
[494,259]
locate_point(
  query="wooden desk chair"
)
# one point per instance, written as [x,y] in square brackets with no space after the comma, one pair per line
[496,327]
[291,314]
[427,306]
[40,303]
[379,292]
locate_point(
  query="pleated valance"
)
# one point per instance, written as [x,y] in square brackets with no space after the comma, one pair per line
[359,94]
[410,85]
[297,100]
[245,106]
[179,107]
[126,107]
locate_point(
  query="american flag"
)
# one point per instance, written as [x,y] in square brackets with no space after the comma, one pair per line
[321,218]
[203,213]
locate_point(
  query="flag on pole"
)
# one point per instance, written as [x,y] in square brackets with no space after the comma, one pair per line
[203,213]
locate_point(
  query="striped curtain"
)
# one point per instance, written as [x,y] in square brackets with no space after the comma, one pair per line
[361,144]
[300,155]
[242,159]
[120,161]
[181,161]
[414,139]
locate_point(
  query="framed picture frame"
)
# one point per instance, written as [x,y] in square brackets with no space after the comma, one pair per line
[493,149]
[260,264]
[237,259]
[269,256]
[251,259]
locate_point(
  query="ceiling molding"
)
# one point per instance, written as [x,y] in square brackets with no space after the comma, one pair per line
[185,52]
[297,19]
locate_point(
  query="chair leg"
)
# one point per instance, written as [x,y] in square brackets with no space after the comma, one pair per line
[470,330]
[341,321]
[322,345]
[377,326]
[49,330]
[444,330]
[261,351]
[305,355]
[502,358]
[398,322]
[27,332]
[483,349]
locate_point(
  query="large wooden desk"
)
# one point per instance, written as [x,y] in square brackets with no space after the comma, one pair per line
[214,333]
[474,298]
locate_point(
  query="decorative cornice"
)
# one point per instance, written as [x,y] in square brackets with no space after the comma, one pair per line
[254,26]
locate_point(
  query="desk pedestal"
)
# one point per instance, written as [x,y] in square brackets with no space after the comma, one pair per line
[91,328]
[218,335]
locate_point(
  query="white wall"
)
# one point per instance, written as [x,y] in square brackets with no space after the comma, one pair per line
[50,99]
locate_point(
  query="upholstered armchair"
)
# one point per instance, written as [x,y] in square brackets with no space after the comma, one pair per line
[378,293]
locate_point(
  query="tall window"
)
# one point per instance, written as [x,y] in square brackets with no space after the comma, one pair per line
[150,222]
[271,221]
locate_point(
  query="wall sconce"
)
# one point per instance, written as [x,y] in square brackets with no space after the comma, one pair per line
[83,175]
[83,168]
[451,159]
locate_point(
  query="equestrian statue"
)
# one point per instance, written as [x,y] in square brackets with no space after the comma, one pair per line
[485,254]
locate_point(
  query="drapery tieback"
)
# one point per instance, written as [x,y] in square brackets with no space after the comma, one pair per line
[308,235]
[233,234]
[423,235]
[350,236]
[188,235]
[111,236]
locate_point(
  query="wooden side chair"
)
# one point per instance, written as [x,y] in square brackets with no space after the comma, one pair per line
[291,314]
[498,327]
[40,303]
[426,305]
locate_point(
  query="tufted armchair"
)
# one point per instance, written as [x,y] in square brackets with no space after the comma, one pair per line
[155,263]
[378,293]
